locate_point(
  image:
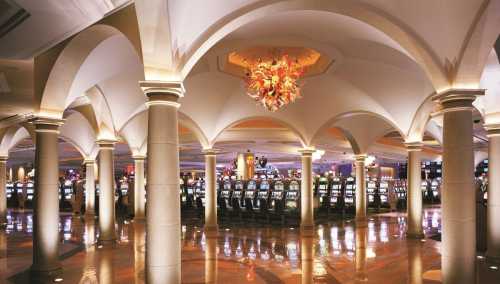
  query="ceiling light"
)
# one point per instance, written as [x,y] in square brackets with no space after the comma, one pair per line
[273,83]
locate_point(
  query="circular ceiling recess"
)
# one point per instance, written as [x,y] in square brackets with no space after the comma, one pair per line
[238,62]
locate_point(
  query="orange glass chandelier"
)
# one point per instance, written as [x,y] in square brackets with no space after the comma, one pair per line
[273,83]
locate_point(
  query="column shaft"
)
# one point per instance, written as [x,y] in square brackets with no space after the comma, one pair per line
[493,215]
[458,252]
[210,192]
[3,194]
[89,188]
[139,189]
[107,231]
[163,243]
[414,202]
[46,199]
[306,193]
[360,188]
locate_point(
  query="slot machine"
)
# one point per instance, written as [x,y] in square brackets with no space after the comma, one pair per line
[225,195]
[19,186]
[276,198]
[371,190]
[124,187]
[190,187]
[336,193]
[263,195]
[292,196]
[383,191]
[250,200]
[350,193]
[9,190]
[67,190]
[237,197]
[182,193]
[425,190]
[323,193]
[400,190]
[199,193]
[435,189]
[30,191]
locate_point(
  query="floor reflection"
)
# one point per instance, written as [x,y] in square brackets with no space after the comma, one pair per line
[374,251]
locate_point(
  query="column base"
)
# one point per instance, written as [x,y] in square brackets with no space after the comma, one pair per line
[307,230]
[492,259]
[415,236]
[211,231]
[45,273]
[106,243]
[139,218]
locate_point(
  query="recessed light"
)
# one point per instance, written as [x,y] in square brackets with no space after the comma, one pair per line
[58,280]
[494,267]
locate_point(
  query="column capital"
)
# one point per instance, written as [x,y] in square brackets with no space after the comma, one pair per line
[307,151]
[457,99]
[139,157]
[88,161]
[3,159]
[162,92]
[360,158]
[414,146]
[47,124]
[106,143]
[210,152]
[493,129]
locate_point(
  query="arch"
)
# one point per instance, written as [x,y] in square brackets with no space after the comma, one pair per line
[79,132]
[13,136]
[341,116]
[56,93]
[477,45]
[420,119]
[352,141]
[138,146]
[297,133]
[366,13]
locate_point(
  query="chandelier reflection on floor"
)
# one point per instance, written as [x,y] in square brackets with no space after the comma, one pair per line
[273,83]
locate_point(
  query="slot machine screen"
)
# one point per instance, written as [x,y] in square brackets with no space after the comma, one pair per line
[277,194]
[249,194]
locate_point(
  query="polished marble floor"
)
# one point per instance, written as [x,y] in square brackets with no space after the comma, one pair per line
[341,252]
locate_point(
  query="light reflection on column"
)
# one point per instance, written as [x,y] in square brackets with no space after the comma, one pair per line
[415,262]
[361,246]
[106,273]
[3,250]
[307,258]
[139,251]
[211,260]
[89,235]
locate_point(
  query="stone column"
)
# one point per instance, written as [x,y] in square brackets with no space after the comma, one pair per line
[493,215]
[89,188]
[414,201]
[107,232]
[46,199]
[210,194]
[163,243]
[306,194]
[3,194]
[458,251]
[139,188]
[360,188]
[241,167]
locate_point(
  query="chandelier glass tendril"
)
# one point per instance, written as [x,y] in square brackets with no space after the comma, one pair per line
[273,83]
